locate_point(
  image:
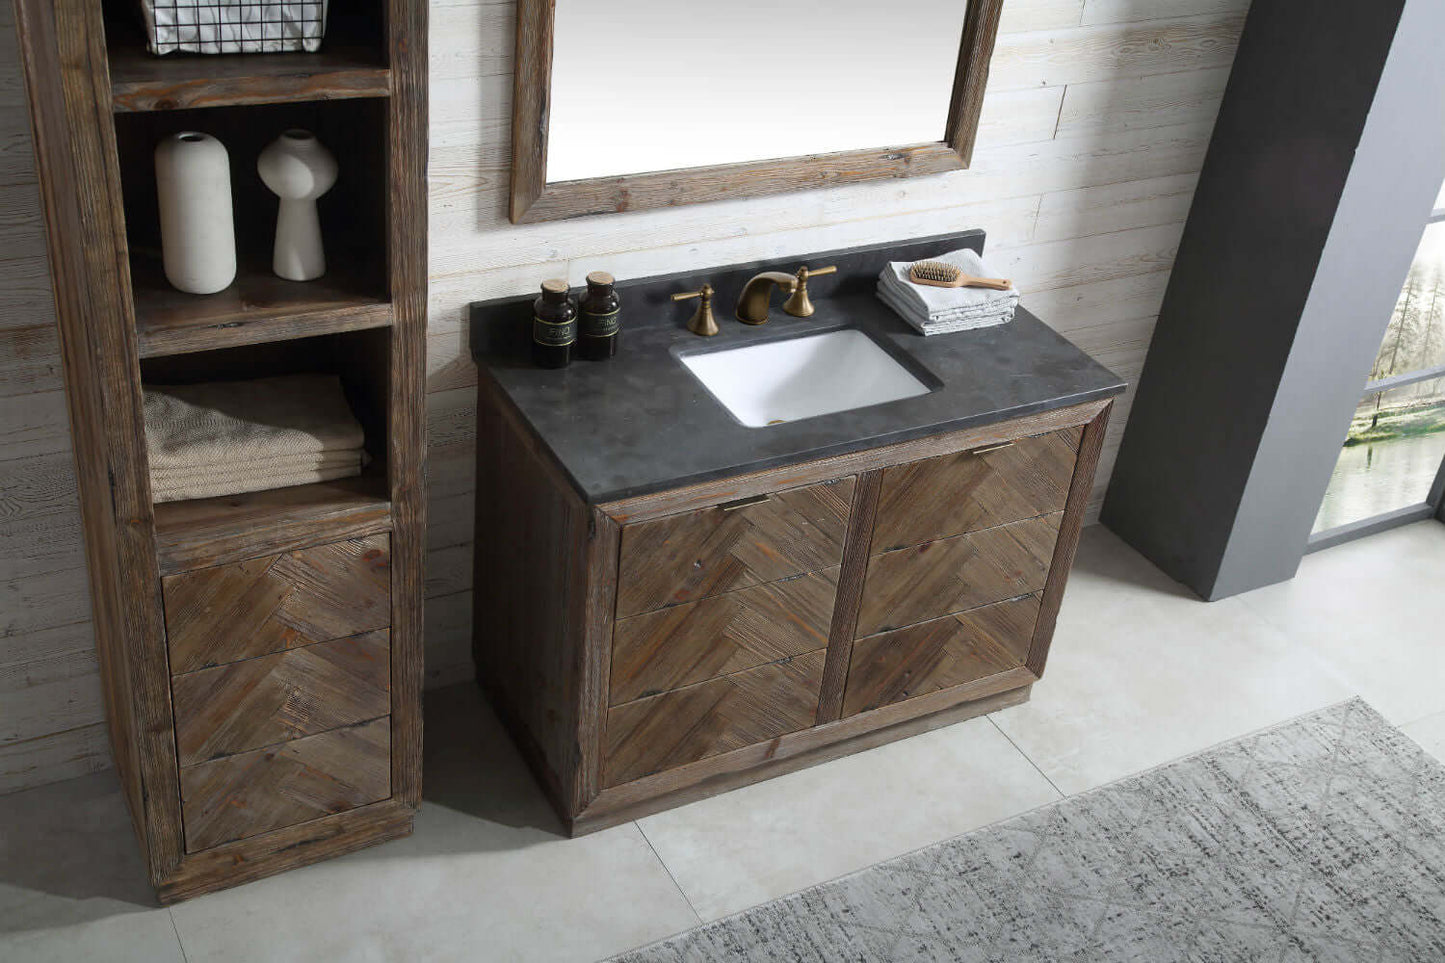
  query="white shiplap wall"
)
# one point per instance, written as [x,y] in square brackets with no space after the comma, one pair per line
[1094,128]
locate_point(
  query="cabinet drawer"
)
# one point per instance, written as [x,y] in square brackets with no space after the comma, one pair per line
[969,491]
[939,654]
[694,555]
[264,605]
[685,725]
[953,574]
[280,697]
[265,789]
[697,641]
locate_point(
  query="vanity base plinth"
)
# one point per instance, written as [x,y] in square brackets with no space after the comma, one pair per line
[743,767]
[257,857]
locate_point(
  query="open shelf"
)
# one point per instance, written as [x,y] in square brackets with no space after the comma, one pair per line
[257,307]
[140,81]
[351,63]
[201,532]
[216,531]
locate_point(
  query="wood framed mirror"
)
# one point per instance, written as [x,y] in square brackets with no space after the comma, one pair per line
[630,104]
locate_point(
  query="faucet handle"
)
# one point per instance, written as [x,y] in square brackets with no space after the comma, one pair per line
[800,305]
[702,323]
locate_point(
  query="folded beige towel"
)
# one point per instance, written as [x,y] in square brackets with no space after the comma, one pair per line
[289,465]
[232,422]
[165,490]
[242,436]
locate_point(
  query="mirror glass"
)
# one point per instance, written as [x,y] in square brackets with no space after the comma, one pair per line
[640,86]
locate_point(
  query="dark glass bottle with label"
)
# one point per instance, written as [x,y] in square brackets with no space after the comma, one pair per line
[554,326]
[601,312]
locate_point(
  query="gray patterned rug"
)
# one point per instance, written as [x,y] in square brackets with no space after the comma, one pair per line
[1321,839]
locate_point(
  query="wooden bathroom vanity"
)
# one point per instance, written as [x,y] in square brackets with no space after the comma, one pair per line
[655,625]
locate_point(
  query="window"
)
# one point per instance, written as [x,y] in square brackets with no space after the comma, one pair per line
[1390,467]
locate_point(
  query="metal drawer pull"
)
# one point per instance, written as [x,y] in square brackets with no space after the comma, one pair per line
[744,502]
[985,450]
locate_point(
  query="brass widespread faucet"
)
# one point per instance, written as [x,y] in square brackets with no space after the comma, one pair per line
[753,302]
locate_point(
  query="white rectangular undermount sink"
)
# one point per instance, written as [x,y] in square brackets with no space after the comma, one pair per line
[818,374]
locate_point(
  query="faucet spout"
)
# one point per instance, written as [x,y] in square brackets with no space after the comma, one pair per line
[753,302]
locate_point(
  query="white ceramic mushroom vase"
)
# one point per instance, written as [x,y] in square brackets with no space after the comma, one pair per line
[298,169]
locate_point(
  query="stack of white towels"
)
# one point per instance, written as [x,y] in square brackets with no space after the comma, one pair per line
[225,438]
[934,310]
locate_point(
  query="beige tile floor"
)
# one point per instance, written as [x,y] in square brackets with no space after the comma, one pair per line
[1142,673]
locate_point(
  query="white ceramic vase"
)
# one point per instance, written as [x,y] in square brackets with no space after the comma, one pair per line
[198,235]
[298,169]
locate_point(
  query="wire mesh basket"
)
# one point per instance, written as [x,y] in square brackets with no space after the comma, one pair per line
[233,26]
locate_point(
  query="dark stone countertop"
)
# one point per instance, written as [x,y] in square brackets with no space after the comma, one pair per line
[641,422]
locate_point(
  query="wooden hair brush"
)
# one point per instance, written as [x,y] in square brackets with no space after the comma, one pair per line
[940,274]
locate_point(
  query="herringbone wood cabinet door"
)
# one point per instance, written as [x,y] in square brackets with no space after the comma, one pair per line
[279,697]
[254,792]
[686,644]
[264,605]
[968,491]
[953,574]
[685,725]
[939,654]
[694,555]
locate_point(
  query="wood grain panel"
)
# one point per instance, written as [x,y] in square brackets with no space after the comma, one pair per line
[682,558]
[1070,528]
[954,574]
[954,650]
[720,773]
[255,309]
[594,601]
[140,81]
[264,605]
[406,40]
[850,593]
[525,571]
[704,494]
[254,857]
[29,358]
[1105,52]
[53,757]
[277,698]
[968,491]
[202,532]
[686,725]
[691,643]
[255,792]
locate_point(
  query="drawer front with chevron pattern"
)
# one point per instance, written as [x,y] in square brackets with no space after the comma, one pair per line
[695,555]
[939,654]
[264,789]
[950,575]
[685,725]
[280,697]
[697,641]
[972,490]
[263,605]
